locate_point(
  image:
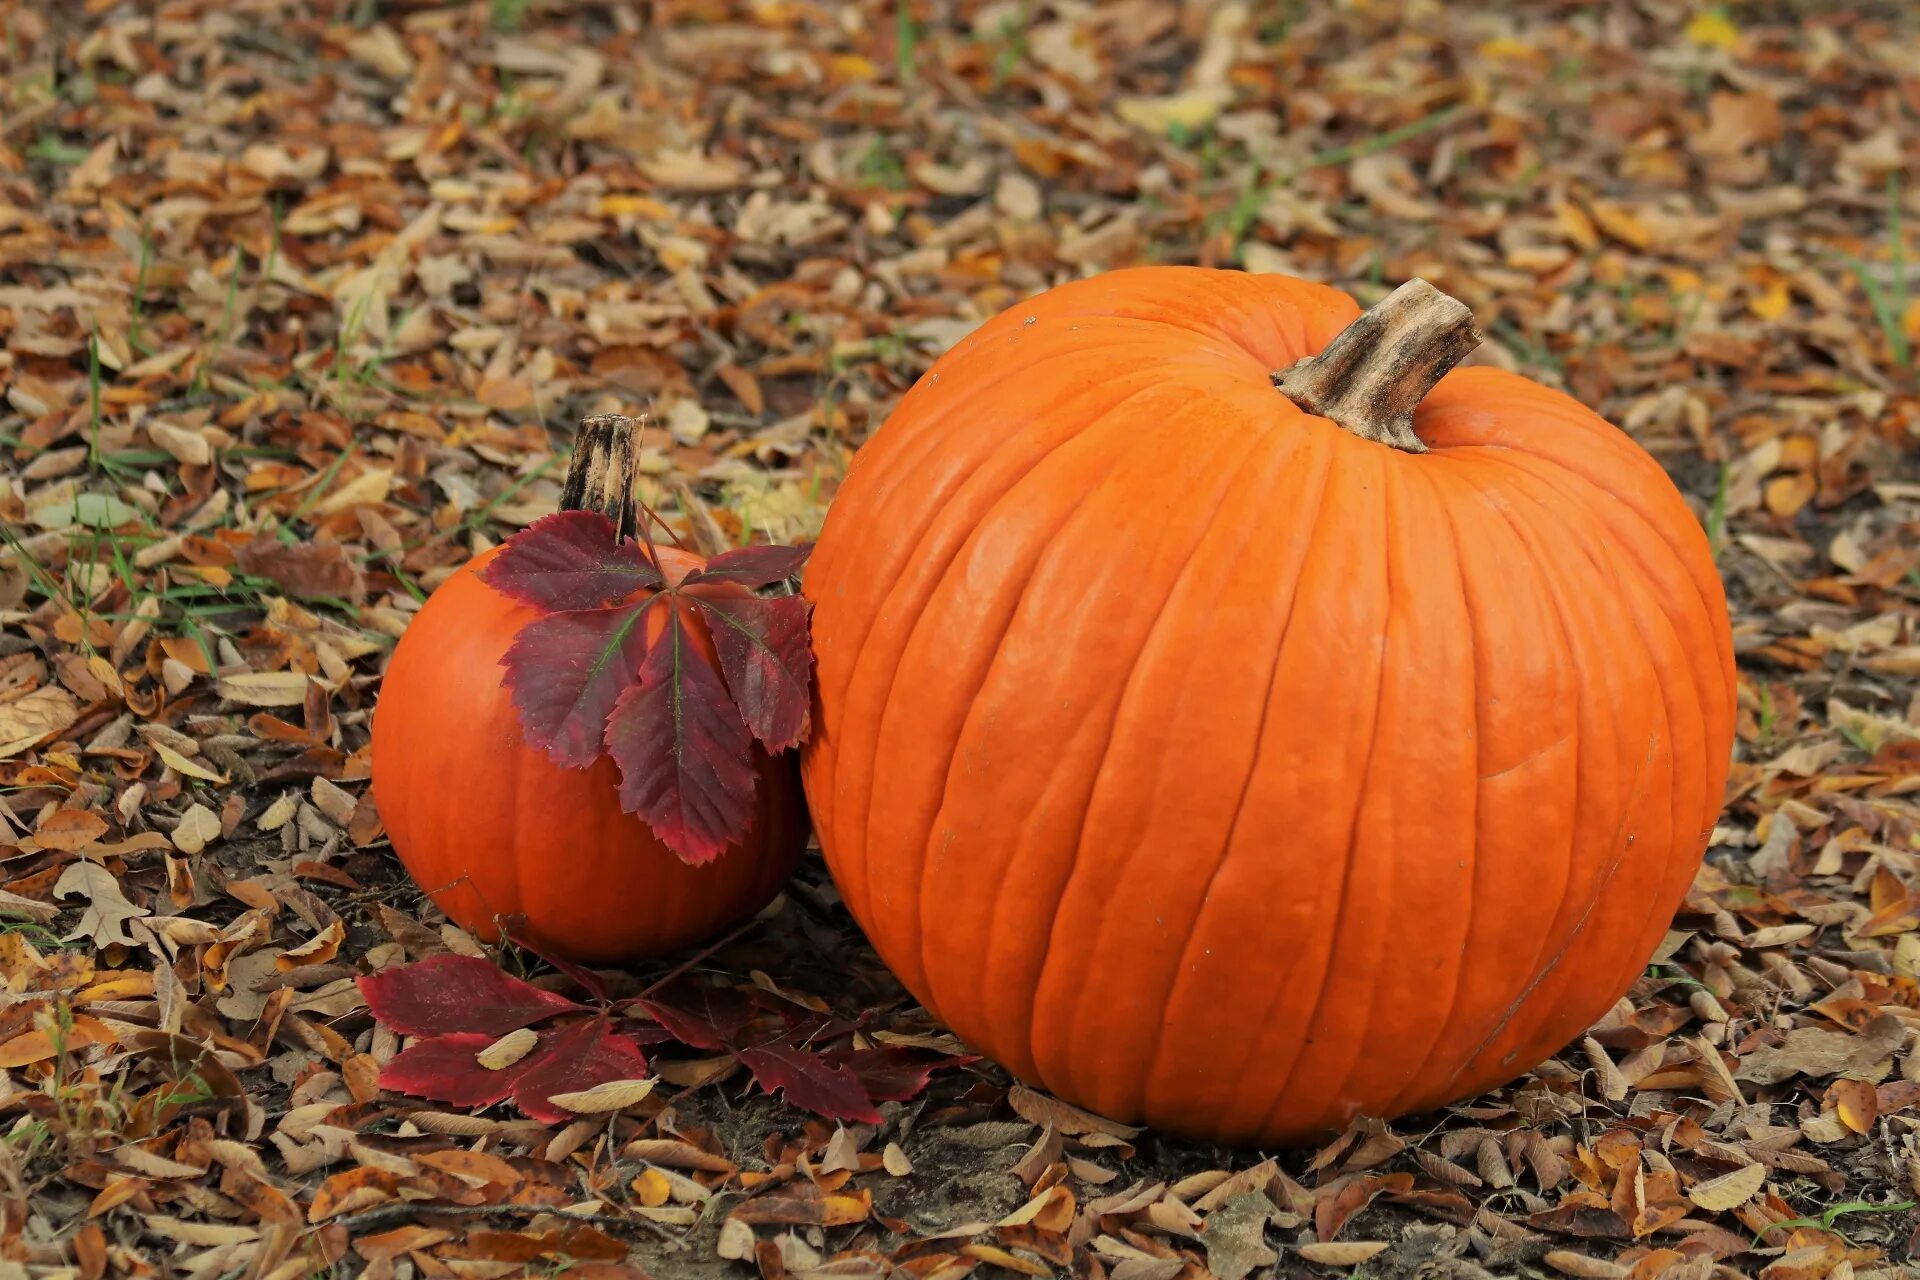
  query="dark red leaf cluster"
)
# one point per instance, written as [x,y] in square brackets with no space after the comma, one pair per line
[808,1057]
[677,700]
[456,1006]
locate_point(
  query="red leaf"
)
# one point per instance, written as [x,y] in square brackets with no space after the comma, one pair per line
[762,644]
[701,1017]
[577,1056]
[567,671]
[457,994]
[685,756]
[760,566]
[810,1082]
[444,1069]
[569,560]
[891,1074]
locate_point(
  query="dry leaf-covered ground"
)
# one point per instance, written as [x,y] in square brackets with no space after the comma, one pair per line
[298,301]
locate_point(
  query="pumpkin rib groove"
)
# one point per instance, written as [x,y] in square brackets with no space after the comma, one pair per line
[1399,842]
[888,699]
[1318,453]
[1551,579]
[1624,551]
[1646,606]
[1623,452]
[1343,893]
[1546,967]
[1630,551]
[1653,527]
[852,865]
[1495,541]
[1290,963]
[1569,938]
[1239,475]
[1083,512]
[856,501]
[1475,890]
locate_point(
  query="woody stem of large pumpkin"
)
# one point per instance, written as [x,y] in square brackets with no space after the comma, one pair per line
[1376,371]
[601,473]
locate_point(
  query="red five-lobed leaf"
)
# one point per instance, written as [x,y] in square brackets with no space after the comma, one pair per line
[457,993]
[569,560]
[577,1056]
[567,672]
[760,566]
[686,766]
[763,650]
[566,1059]
[447,1069]
[457,1006]
[809,1081]
[678,717]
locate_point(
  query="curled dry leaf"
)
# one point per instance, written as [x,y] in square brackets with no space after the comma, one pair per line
[1042,1109]
[34,715]
[1342,1253]
[609,1095]
[1569,1262]
[1729,1190]
[508,1049]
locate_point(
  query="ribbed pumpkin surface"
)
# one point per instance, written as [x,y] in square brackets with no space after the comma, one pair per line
[1213,767]
[491,828]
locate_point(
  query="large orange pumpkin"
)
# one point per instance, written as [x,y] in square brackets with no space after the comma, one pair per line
[1238,769]
[494,831]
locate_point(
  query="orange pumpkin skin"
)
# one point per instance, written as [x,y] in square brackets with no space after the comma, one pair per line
[1216,768]
[492,829]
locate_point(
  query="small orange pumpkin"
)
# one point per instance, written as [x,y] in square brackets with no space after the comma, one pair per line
[1242,751]
[495,832]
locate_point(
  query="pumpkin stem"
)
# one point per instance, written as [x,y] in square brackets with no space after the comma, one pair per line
[1376,371]
[601,473]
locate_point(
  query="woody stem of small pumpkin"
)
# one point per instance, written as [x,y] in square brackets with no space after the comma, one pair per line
[1376,371]
[601,473]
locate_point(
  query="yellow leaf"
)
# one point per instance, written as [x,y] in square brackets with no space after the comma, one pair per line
[651,1188]
[33,716]
[1188,110]
[1911,320]
[614,1095]
[1577,226]
[645,206]
[265,688]
[851,66]
[364,490]
[1621,223]
[1729,1190]
[1713,28]
[1509,49]
[1772,304]
[1857,1104]
[185,764]
[996,1256]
